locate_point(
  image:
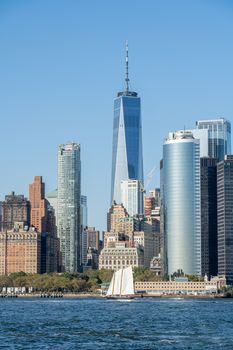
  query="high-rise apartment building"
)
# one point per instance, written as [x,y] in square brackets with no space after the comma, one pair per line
[180,189]
[127,160]
[69,193]
[225,218]
[38,204]
[132,196]
[209,246]
[15,208]
[219,136]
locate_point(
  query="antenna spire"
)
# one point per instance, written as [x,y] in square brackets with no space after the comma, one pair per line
[127,68]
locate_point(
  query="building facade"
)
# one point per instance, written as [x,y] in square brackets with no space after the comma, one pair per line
[145,242]
[51,258]
[225,218]
[84,211]
[219,136]
[52,200]
[90,239]
[209,244]
[68,216]
[132,196]
[181,287]
[38,204]
[115,213]
[181,202]
[127,160]
[15,208]
[120,257]
[20,250]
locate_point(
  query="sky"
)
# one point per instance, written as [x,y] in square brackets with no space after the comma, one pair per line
[62,64]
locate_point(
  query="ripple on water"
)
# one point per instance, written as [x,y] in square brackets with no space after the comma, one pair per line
[97,324]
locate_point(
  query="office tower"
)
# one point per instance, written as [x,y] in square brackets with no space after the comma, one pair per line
[203,136]
[132,196]
[209,247]
[15,208]
[38,204]
[69,193]
[20,250]
[127,162]
[219,136]
[181,202]
[52,199]
[225,218]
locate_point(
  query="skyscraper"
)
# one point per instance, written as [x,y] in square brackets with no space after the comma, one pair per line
[219,136]
[225,218]
[68,220]
[38,204]
[127,160]
[209,250]
[181,202]
[132,196]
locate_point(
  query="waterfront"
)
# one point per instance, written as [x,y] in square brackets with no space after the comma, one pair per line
[103,324]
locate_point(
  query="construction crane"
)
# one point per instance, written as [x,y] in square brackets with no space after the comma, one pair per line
[149,178]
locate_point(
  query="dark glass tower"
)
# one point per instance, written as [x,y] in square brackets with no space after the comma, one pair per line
[209,244]
[127,162]
[225,218]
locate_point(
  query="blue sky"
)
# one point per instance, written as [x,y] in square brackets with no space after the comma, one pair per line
[62,63]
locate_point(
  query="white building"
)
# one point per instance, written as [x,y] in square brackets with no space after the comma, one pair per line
[120,256]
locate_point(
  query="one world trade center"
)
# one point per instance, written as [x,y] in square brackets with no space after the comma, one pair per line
[127,160]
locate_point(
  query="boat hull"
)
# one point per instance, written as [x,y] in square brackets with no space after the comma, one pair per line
[123,297]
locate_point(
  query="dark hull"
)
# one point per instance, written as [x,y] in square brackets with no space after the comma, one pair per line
[122,297]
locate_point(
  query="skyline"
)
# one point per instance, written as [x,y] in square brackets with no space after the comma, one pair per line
[59,73]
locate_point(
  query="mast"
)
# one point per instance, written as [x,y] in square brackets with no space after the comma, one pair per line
[122,271]
[113,282]
[127,68]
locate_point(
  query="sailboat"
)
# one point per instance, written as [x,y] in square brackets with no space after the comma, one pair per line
[121,286]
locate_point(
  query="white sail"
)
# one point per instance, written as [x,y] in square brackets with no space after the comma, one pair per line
[121,283]
[127,282]
[111,286]
[118,282]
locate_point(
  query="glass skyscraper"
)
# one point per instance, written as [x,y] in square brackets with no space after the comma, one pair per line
[181,202]
[219,136]
[131,195]
[127,160]
[68,211]
[225,218]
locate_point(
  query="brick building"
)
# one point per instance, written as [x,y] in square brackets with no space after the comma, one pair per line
[20,250]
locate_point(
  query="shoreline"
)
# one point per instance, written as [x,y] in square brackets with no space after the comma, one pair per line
[98,296]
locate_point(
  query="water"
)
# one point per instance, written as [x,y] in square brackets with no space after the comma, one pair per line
[101,324]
